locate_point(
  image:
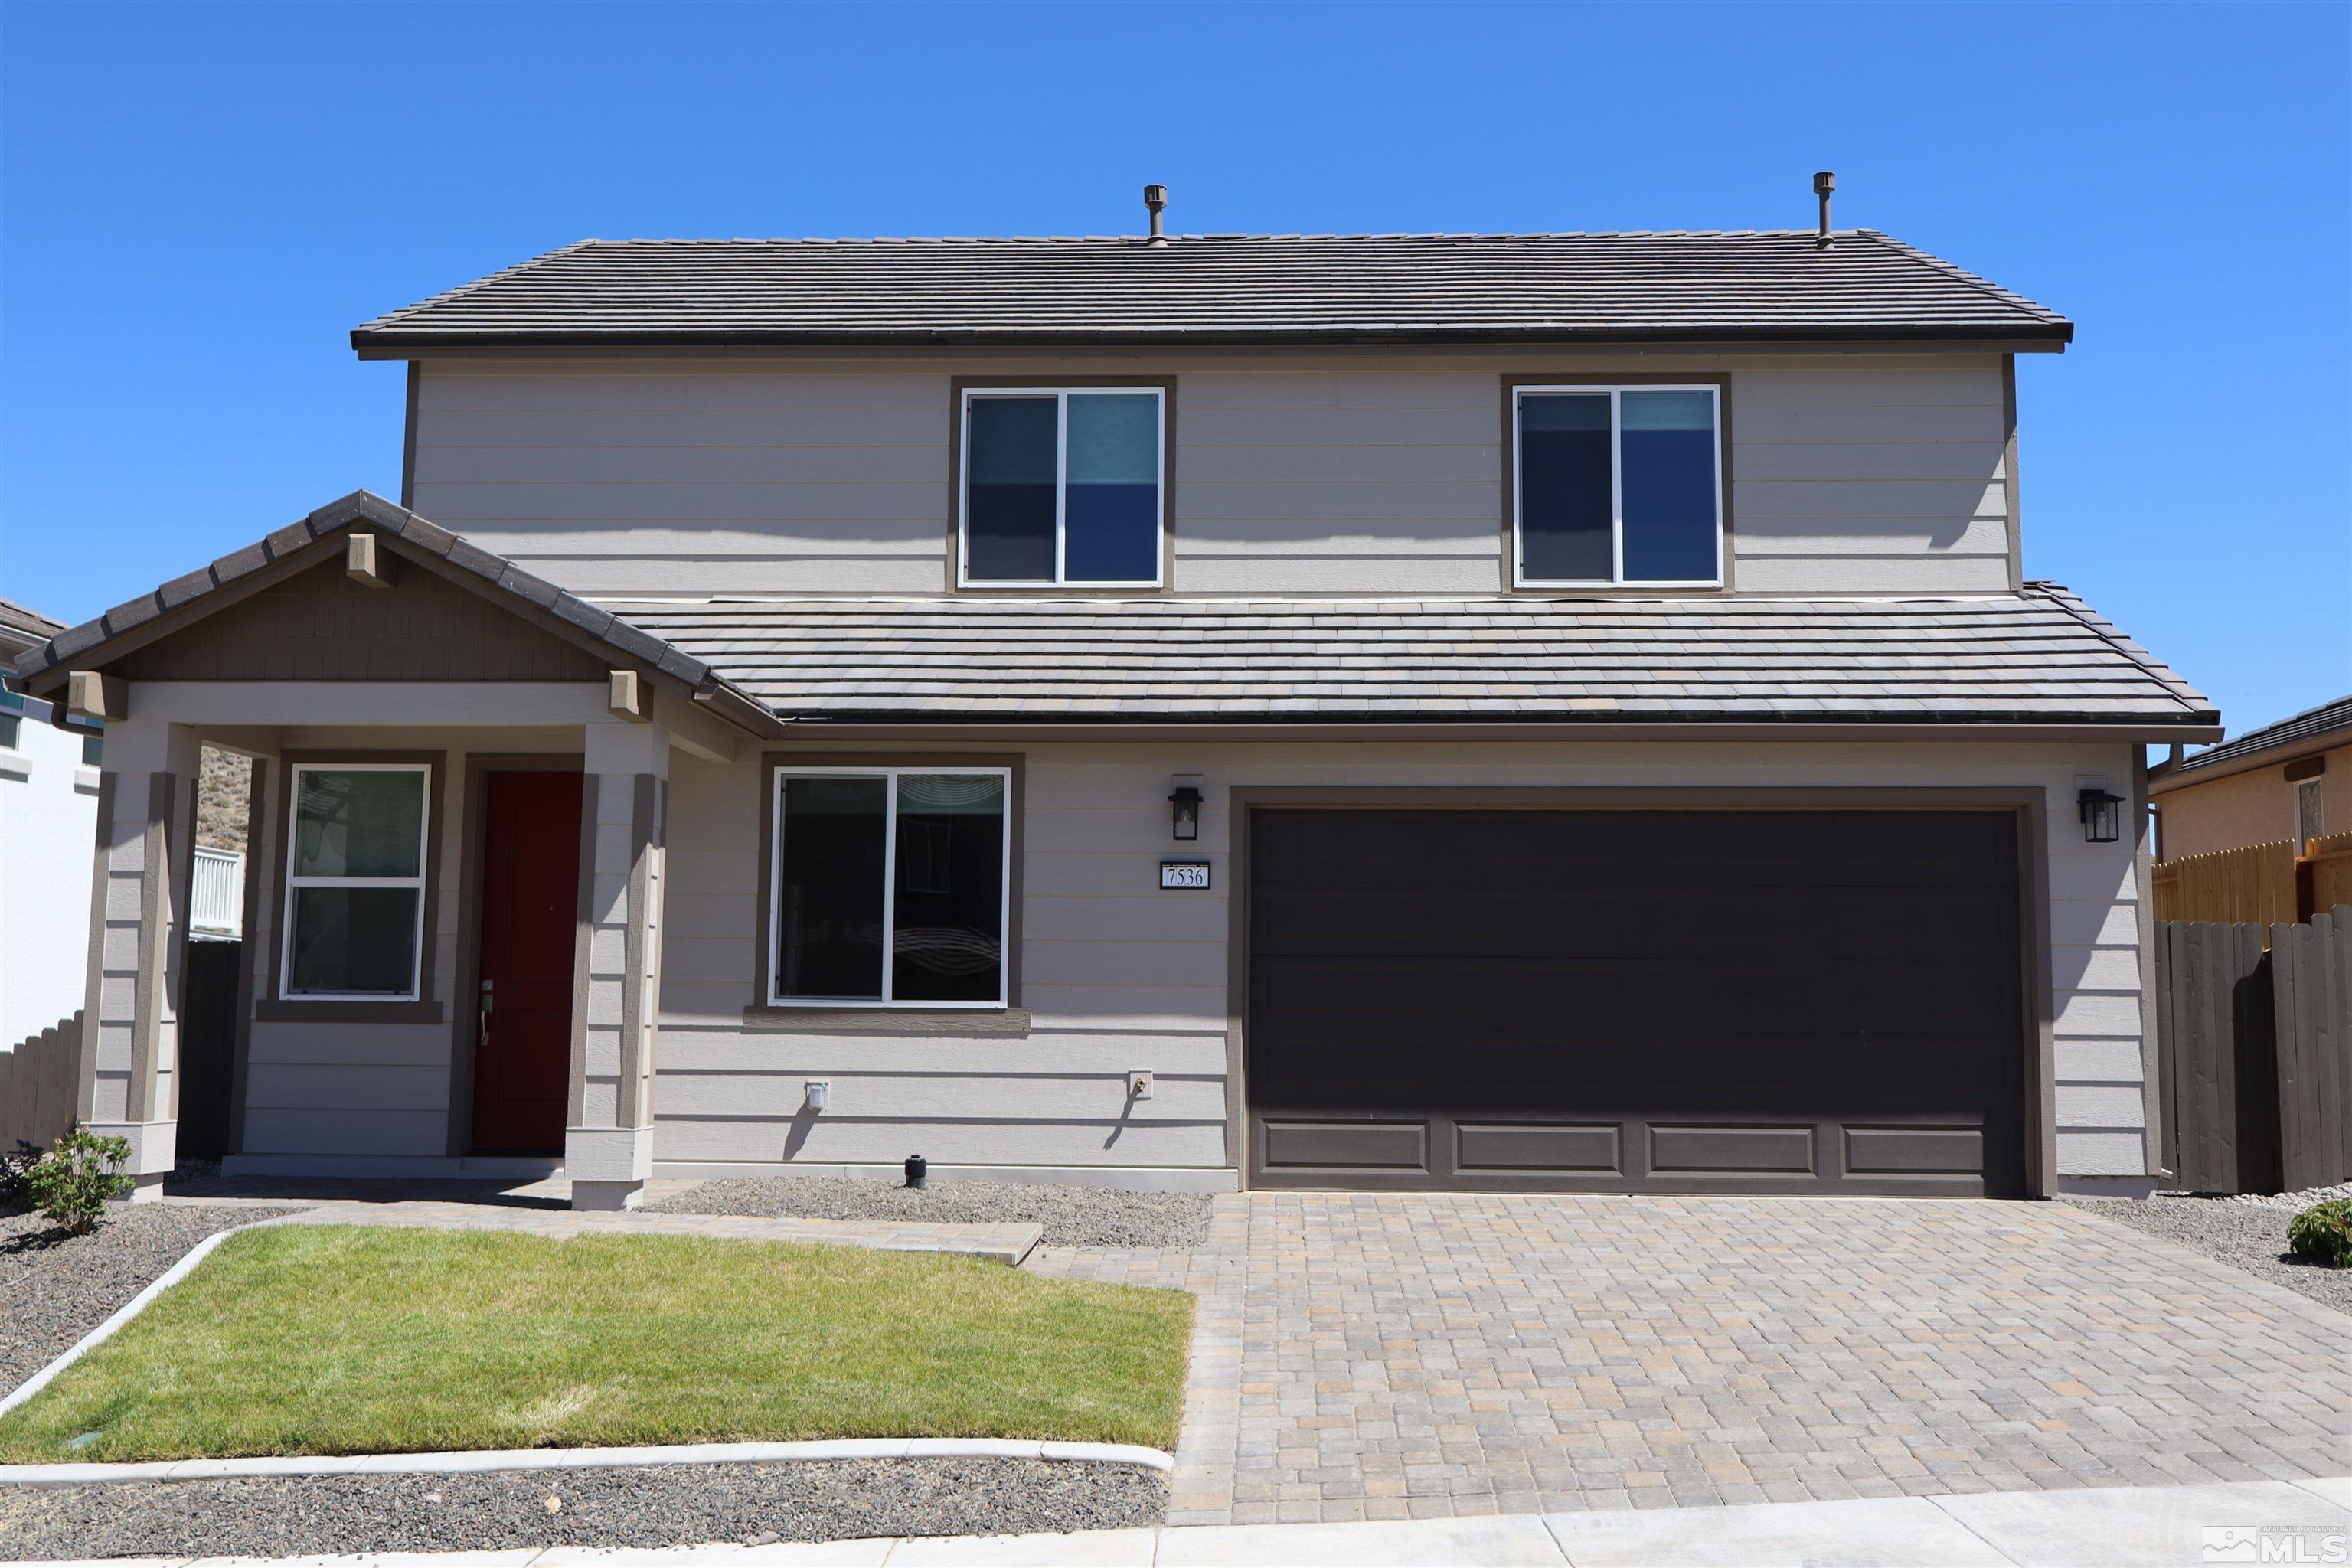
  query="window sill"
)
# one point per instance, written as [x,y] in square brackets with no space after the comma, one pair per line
[886,1021]
[275,1011]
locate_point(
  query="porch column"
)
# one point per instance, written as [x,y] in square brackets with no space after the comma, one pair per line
[139,907]
[616,992]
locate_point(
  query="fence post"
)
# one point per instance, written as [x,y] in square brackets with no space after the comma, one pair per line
[2168,1048]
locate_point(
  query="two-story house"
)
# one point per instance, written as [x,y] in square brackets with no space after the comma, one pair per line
[1555,711]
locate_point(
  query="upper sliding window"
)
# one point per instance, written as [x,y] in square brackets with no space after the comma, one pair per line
[355,883]
[1062,487]
[1619,485]
[891,887]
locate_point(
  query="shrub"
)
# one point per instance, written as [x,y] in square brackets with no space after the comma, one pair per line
[14,1195]
[2323,1233]
[73,1181]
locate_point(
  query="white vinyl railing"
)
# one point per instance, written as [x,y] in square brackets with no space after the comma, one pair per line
[216,901]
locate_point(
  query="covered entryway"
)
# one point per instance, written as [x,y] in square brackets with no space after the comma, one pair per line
[1720,1000]
[530,902]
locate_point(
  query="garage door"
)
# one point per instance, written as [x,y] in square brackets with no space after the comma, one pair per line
[1769,1001]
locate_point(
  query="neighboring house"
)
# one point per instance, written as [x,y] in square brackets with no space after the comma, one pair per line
[48,818]
[2285,782]
[216,897]
[1507,712]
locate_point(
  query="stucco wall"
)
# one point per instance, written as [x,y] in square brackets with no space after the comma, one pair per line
[2256,806]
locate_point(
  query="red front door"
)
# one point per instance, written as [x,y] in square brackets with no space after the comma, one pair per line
[530,899]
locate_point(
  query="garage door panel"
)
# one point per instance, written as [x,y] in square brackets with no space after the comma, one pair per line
[1787,1149]
[1677,1000]
[1336,1144]
[1495,1146]
[1914,1151]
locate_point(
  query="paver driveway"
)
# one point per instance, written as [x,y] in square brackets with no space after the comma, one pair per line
[1378,1356]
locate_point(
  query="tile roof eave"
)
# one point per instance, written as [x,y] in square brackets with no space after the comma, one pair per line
[498,577]
[374,338]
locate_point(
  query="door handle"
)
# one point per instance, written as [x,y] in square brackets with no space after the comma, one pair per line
[482,1035]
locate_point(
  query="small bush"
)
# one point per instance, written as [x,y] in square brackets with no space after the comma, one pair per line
[2323,1233]
[16,1196]
[72,1181]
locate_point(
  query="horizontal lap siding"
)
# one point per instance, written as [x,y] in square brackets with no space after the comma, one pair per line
[1117,975]
[364,1089]
[1870,479]
[660,478]
[1057,1095]
[1862,474]
[1320,483]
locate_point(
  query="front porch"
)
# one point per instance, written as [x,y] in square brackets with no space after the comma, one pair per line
[454,900]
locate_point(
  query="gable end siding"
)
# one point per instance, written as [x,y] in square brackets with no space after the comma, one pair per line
[318,625]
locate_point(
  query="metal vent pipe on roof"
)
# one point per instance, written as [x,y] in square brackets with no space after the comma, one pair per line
[1824,184]
[1155,201]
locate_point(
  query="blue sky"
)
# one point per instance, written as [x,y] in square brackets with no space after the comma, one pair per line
[197,202]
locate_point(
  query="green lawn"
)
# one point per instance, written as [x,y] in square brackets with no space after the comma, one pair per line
[346,1340]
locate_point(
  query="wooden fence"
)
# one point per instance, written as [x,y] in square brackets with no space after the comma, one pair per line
[2270,884]
[38,1081]
[2253,1031]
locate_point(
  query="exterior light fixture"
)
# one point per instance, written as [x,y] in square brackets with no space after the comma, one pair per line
[2102,815]
[1186,818]
[919,1170]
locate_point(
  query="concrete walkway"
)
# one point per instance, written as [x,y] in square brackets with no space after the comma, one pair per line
[542,1207]
[1006,1244]
[2137,1527]
[1421,1356]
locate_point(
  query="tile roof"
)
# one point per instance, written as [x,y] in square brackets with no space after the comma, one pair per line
[21,627]
[1224,288]
[2329,725]
[2041,656]
[499,576]
[2036,657]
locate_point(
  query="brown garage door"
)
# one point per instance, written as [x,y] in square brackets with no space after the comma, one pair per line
[1667,1001]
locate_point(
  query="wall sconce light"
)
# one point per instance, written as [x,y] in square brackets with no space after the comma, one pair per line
[1185,820]
[2101,815]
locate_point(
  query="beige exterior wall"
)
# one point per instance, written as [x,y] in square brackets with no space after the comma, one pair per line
[2256,806]
[369,1091]
[1362,474]
[1119,975]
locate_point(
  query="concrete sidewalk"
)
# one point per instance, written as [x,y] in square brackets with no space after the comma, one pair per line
[2112,1526]
[542,1207]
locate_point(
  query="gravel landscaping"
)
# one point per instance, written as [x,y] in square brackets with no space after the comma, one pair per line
[669,1505]
[57,1288]
[2251,1236]
[1072,1216]
[2293,1202]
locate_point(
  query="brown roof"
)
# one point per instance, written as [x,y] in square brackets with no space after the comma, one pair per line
[2319,729]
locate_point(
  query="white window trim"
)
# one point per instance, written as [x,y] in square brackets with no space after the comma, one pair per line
[889,888]
[1616,490]
[294,883]
[1062,395]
